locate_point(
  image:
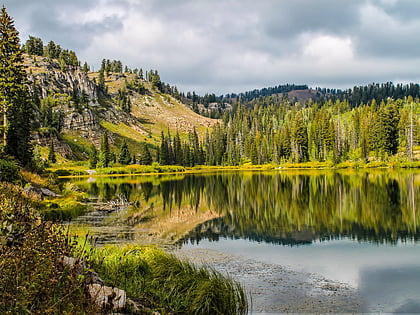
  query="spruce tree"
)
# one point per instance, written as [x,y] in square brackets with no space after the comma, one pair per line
[145,156]
[124,157]
[105,155]
[299,137]
[93,158]
[51,154]
[15,101]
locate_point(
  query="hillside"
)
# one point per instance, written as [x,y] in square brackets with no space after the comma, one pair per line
[85,110]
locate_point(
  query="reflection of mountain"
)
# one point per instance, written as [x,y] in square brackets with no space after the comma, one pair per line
[287,207]
[215,229]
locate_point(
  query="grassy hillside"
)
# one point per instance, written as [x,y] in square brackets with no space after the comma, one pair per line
[152,112]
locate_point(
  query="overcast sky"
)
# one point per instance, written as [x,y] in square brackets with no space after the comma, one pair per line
[224,46]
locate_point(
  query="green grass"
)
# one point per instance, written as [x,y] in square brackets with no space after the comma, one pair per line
[165,283]
[80,169]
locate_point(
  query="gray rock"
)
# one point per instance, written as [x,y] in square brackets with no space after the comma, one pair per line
[107,298]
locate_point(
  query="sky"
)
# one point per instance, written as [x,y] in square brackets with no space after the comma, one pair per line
[232,46]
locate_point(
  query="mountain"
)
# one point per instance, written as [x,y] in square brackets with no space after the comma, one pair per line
[73,109]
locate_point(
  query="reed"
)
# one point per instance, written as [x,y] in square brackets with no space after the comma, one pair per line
[165,283]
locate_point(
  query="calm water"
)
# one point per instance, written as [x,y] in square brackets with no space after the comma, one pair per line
[356,227]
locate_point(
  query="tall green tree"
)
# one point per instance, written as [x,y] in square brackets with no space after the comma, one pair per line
[51,153]
[93,158]
[34,46]
[299,135]
[16,104]
[105,155]
[124,156]
[145,156]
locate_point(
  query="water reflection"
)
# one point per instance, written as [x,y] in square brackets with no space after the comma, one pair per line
[331,223]
[284,207]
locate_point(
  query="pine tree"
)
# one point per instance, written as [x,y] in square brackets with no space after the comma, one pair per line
[164,158]
[124,157]
[93,158]
[299,137]
[51,154]
[34,46]
[105,155]
[15,101]
[101,80]
[145,156]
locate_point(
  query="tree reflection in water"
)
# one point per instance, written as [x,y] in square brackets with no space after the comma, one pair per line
[285,207]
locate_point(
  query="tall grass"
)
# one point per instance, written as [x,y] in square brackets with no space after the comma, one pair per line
[165,283]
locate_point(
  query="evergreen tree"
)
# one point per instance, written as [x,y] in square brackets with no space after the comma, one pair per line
[105,156]
[164,151]
[34,46]
[101,80]
[178,159]
[145,156]
[86,68]
[299,136]
[124,157]
[51,153]
[93,158]
[15,101]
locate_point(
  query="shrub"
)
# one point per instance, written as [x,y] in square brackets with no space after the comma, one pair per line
[32,279]
[9,171]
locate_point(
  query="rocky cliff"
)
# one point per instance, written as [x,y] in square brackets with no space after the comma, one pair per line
[87,111]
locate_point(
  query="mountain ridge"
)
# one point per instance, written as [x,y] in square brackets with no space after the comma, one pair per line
[85,110]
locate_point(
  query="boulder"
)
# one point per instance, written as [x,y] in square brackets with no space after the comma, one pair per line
[107,298]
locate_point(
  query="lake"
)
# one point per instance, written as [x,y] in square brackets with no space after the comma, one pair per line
[300,241]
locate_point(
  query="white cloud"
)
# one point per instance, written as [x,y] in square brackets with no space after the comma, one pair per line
[327,49]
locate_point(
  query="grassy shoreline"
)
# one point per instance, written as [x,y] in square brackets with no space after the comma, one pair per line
[71,171]
[32,248]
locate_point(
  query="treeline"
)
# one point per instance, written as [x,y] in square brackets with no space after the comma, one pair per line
[251,95]
[214,106]
[289,132]
[331,131]
[35,46]
[365,94]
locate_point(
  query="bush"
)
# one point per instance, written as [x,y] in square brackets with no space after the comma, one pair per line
[32,279]
[9,171]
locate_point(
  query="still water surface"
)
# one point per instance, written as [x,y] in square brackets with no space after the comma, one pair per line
[354,227]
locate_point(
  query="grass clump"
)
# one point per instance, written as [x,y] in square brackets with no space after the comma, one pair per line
[32,279]
[165,283]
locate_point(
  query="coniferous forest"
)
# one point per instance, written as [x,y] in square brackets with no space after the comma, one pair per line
[276,130]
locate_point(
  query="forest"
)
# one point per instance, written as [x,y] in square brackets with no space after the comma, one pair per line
[275,130]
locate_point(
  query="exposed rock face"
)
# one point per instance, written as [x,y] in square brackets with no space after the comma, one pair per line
[86,122]
[45,139]
[72,81]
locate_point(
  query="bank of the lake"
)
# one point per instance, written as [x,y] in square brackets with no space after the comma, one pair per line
[45,271]
[81,169]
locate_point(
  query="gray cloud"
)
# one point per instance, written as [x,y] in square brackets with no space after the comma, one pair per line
[234,45]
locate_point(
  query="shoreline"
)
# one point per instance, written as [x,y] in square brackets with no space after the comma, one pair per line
[275,289]
[79,172]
